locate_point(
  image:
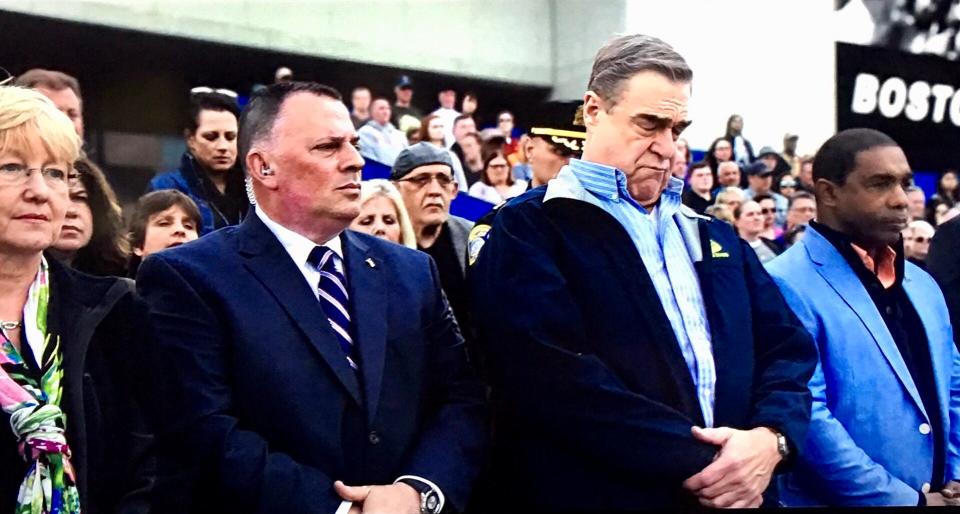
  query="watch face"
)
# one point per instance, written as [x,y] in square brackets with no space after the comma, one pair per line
[432,503]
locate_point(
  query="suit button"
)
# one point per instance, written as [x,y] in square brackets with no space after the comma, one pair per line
[925,488]
[924,429]
[374,438]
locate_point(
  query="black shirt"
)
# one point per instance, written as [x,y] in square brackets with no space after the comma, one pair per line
[695,201]
[452,278]
[907,331]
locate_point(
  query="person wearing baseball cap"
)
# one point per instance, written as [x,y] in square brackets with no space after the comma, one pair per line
[760,177]
[424,175]
[404,113]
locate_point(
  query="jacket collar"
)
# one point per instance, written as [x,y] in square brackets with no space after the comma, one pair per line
[836,271]
[269,262]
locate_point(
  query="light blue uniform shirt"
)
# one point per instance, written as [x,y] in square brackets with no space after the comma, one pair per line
[664,253]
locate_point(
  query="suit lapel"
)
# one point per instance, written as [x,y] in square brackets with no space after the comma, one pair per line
[368,298]
[942,360]
[270,263]
[844,281]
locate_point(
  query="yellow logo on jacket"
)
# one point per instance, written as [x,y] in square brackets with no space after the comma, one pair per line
[716,251]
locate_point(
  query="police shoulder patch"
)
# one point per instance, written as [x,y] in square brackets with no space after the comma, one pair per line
[476,240]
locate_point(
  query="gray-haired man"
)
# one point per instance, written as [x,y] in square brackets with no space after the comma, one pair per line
[638,354]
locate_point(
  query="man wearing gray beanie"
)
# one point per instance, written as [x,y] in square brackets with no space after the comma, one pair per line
[424,175]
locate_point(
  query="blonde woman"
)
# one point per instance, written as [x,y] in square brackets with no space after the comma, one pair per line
[382,213]
[72,367]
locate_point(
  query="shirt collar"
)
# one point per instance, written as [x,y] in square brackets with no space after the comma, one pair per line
[297,245]
[609,183]
[887,267]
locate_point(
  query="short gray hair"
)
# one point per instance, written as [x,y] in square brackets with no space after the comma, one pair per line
[623,57]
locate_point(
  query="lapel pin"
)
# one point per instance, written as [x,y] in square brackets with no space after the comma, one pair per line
[370,263]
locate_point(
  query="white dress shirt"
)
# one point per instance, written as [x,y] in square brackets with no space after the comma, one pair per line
[299,248]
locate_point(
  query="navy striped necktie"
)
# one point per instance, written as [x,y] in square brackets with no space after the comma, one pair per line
[333,297]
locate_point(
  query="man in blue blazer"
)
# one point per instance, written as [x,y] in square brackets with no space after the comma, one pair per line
[307,368]
[886,393]
[639,355]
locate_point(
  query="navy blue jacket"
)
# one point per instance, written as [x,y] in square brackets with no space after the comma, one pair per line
[592,398]
[188,180]
[262,412]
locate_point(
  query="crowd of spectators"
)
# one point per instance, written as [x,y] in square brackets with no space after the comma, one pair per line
[768,197]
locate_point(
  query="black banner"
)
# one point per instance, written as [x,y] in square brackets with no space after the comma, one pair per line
[913,98]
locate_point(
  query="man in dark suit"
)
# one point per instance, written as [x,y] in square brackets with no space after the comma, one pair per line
[300,356]
[943,262]
[639,355]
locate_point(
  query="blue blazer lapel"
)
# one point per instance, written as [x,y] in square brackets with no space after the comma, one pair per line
[940,354]
[368,298]
[270,263]
[844,281]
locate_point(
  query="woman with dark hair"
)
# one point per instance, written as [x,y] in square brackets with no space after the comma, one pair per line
[92,238]
[948,191]
[742,149]
[720,150]
[432,131]
[496,181]
[209,172]
[162,219]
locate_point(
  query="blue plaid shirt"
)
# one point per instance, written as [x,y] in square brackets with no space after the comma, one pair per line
[661,246]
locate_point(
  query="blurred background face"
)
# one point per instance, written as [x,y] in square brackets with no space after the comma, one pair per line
[471,148]
[802,211]
[701,180]
[214,143]
[435,130]
[166,229]
[545,163]
[730,200]
[378,217]
[428,203]
[768,209]
[505,123]
[679,164]
[760,183]
[78,224]
[33,207]
[404,95]
[447,99]
[360,99]
[469,105]
[806,173]
[728,175]
[918,204]
[916,240]
[68,103]
[949,181]
[769,161]
[464,127]
[736,124]
[750,223]
[380,111]
[723,151]
[497,171]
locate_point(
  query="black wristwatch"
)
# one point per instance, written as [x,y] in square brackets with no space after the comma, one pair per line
[429,498]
